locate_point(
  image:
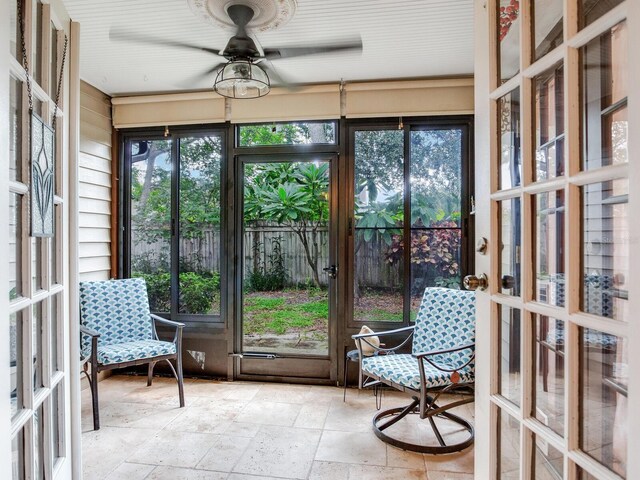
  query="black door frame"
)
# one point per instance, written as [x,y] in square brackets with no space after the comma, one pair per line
[290,368]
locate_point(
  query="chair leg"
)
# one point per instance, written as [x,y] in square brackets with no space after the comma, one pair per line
[346,373]
[177,372]
[94,397]
[150,373]
[180,378]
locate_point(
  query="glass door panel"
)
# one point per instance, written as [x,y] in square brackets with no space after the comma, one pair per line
[286,237]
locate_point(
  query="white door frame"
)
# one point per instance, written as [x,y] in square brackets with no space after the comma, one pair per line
[487,219]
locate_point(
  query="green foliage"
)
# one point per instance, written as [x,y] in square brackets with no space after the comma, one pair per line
[197,290]
[268,278]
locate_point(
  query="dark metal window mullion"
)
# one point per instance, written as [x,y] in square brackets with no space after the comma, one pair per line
[406,313]
[175,225]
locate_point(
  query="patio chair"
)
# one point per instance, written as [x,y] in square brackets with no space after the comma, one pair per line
[441,362]
[118,330]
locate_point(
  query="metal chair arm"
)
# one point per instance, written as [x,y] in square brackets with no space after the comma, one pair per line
[383,333]
[362,337]
[89,331]
[177,338]
[471,346]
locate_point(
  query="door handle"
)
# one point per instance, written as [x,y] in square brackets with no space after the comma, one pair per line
[332,271]
[471,282]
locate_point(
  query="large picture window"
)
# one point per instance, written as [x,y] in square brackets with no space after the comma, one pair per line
[173,231]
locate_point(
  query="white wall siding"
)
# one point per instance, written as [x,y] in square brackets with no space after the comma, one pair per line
[95,184]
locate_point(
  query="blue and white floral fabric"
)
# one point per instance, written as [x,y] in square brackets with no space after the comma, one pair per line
[119,311]
[446,320]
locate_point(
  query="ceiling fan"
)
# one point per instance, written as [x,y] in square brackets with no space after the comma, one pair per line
[245,71]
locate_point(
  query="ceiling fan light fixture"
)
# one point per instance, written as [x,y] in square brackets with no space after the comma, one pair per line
[241,78]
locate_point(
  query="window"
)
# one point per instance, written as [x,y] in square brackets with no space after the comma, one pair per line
[173,239]
[290,133]
[411,187]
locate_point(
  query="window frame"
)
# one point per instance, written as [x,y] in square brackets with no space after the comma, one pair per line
[467,224]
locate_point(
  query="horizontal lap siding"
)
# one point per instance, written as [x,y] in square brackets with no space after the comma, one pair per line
[95,184]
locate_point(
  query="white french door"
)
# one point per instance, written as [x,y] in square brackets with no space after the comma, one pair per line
[557,146]
[34,273]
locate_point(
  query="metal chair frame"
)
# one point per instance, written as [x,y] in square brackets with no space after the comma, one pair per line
[423,400]
[96,368]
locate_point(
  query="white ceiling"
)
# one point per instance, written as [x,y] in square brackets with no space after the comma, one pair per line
[401,39]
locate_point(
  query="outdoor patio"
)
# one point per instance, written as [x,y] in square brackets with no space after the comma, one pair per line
[250,430]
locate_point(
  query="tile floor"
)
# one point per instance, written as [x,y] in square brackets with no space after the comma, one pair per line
[250,431]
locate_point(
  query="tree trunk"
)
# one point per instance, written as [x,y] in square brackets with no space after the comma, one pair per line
[302,235]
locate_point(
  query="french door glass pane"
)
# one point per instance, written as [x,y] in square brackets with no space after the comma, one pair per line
[55,324]
[604,99]
[548,461]
[509,451]
[57,417]
[15,127]
[379,218]
[508,38]
[548,367]
[15,361]
[36,48]
[293,133]
[603,389]
[36,322]
[436,204]
[18,456]
[583,475]
[510,353]
[151,219]
[199,213]
[36,271]
[549,121]
[286,245]
[591,10]
[510,151]
[54,244]
[14,30]
[39,439]
[605,258]
[15,246]
[510,237]
[53,62]
[548,29]
[549,247]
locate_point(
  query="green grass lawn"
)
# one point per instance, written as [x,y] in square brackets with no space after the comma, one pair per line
[279,315]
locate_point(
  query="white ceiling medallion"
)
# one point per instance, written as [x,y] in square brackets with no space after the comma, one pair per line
[269,14]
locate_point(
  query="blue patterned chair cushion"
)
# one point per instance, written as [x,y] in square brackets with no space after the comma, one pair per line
[446,319]
[403,370]
[117,309]
[134,350]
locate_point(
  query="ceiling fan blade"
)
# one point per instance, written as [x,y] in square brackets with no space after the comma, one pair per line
[292,52]
[276,77]
[128,36]
[189,83]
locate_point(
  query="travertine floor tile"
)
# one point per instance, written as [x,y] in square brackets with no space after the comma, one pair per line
[329,471]
[176,449]
[130,471]
[172,473]
[280,452]
[461,462]
[105,449]
[367,472]
[269,413]
[224,454]
[351,447]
